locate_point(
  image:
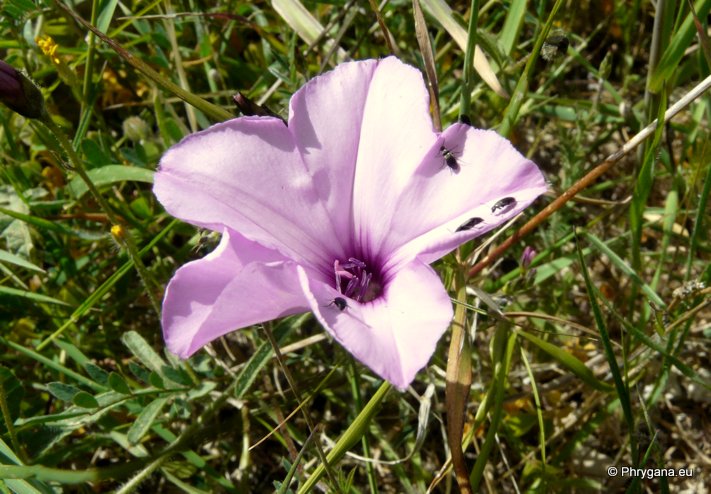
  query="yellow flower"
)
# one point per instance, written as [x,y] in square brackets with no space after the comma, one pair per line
[48,47]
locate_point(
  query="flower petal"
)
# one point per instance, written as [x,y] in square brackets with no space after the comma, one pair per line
[394,335]
[439,201]
[247,174]
[239,284]
[325,117]
[396,133]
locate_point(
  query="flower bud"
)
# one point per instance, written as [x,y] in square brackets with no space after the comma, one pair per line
[19,93]
[528,254]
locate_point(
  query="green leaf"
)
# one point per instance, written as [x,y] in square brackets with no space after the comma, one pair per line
[177,375]
[10,258]
[107,175]
[85,400]
[18,8]
[118,384]
[61,391]
[145,420]
[143,351]
[97,373]
[155,380]
[16,234]
[52,364]
[140,372]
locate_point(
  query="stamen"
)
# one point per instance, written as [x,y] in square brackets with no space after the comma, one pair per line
[356,262]
[358,279]
[351,287]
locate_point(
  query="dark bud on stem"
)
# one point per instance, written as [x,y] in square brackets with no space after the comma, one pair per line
[19,93]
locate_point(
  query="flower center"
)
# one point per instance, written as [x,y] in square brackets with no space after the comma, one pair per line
[355,280]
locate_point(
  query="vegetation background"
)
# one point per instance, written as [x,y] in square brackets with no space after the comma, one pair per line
[601,357]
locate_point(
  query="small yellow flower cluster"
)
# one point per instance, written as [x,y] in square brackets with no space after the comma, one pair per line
[48,47]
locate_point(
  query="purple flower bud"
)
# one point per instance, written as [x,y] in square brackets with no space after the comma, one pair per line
[19,93]
[528,254]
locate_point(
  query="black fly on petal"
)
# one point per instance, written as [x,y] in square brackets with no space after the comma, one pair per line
[450,159]
[339,302]
[503,205]
[469,224]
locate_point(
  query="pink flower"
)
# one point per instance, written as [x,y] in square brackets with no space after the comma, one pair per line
[339,213]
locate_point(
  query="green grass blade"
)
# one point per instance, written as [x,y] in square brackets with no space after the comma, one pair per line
[539,406]
[567,360]
[675,51]
[671,209]
[505,342]
[358,427]
[443,14]
[512,25]
[519,95]
[620,386]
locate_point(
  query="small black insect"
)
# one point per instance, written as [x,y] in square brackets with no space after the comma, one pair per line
[449,159]
[339,302]
[503,205]
[469,224]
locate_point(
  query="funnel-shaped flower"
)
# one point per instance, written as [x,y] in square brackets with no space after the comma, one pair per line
[340,212]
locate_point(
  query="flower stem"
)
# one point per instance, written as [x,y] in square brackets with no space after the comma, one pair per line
[125,240]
